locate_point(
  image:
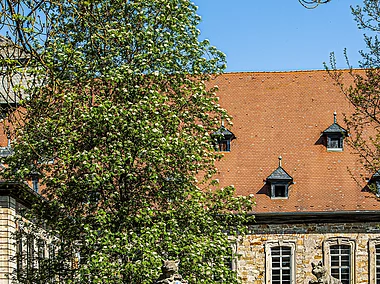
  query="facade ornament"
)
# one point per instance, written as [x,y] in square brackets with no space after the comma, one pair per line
[170,273]
[323,277]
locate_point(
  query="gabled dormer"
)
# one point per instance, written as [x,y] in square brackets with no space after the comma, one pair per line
[334,136]
[279,181]
[222,139]
[375,183]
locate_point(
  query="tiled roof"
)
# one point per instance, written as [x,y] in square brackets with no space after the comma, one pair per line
[9,50]
[12,84]
[284,113]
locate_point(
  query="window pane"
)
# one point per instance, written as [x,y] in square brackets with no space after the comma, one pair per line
[334,142]
[224,145]
[279,191]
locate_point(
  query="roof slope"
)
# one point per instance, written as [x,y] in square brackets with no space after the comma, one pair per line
[284,114]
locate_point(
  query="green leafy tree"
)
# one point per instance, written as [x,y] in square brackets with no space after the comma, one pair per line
[114,116]
[362,90]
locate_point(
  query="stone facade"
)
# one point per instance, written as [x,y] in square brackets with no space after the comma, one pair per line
[308,240]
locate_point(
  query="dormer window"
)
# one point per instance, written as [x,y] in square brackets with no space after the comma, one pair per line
[375,182]
[279,181]
[222,139]
[334,136]
[35,179]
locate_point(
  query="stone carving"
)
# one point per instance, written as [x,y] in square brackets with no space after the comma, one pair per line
[170,273]
[323,277]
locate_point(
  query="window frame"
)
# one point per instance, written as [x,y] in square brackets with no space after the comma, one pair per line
[268,259]
[273,186]
[340,241]
[223,145]
[372,243]
[334,136]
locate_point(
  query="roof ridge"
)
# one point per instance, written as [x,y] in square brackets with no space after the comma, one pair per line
[284,72]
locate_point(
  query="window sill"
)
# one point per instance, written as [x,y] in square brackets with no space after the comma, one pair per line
[279,197]
[334,149]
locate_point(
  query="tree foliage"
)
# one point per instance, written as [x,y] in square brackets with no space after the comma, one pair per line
[114,116]
[364,90]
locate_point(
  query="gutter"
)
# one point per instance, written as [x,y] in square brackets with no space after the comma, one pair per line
[357,216]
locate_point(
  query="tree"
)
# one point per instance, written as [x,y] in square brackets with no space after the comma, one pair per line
[114,116]
[311,4]
[364,91]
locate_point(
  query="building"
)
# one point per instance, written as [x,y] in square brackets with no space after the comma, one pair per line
[309,207]
[287,148]
[14,197]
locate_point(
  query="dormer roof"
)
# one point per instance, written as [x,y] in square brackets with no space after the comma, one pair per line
[335,128]
[224,132]
[279,174]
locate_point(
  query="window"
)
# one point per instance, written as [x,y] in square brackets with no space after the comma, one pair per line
[377,264]
[222,139]
[224,146]
[334,142]
[334,136]
[41,244]
[279,181]
[280,262]
[19,251]
[374,183]
[280,190]
[281,265]
[339,259]
[35,185]
[340,262]
[374,261]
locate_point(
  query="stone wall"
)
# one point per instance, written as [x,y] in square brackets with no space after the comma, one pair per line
[309,240]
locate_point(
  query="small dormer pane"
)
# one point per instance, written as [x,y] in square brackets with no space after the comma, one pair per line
[335,142]
[280,190]
[224,145]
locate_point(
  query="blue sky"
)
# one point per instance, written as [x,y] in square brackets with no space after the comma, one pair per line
[280,35]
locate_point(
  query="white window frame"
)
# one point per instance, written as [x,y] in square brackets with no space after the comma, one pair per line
[372,243]
[339,137]
[273,189]
[340,241]
[268,259]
